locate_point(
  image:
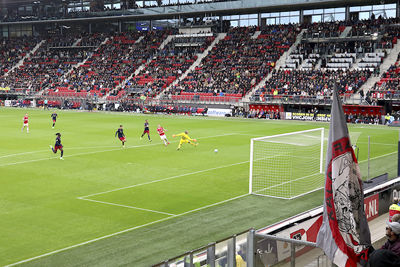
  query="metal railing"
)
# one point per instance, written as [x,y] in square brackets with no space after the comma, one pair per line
[253,249]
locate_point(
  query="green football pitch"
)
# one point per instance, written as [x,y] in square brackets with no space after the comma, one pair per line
[107,206]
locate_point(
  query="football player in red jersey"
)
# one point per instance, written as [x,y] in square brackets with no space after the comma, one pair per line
[26,124]
[161,131]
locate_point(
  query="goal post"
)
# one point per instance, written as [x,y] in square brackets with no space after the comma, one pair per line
[287,165]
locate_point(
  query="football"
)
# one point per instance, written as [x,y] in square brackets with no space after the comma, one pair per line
[215,150]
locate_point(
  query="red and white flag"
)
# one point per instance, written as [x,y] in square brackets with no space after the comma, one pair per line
[344,235]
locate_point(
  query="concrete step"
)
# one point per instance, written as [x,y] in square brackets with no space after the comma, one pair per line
[345,32]
[77,42]
[255,35]
[387,62]
[28,55]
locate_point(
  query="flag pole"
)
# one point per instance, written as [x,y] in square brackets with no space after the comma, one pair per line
[369,154]
[398,156]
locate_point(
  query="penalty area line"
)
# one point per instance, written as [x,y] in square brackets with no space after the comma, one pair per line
[126,206]
[164,179]
[123,231]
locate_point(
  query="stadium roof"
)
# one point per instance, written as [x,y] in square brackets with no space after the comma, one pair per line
[216,8]
[7,3]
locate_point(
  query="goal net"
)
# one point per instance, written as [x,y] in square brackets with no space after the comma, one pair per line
[287,165]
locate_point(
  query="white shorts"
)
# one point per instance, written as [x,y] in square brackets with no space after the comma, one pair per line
[26,125]
[163,137]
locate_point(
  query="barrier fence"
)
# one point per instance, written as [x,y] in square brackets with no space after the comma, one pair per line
[252,249]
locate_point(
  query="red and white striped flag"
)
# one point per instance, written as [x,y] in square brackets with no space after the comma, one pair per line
[344,235]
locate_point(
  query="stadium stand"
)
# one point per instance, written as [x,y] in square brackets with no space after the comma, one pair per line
[45,66]
[388,86]
[316,83]
[13,50]
[168,64]
[138,55]
[325,30]
[134,64]
[237,63]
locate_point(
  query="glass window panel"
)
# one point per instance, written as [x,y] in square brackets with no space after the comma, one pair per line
[308,12]
[328,18]
[275,14]
[340,9]
[271,21]
[318,11]
[285,20]
[363,15]
[294,13]
[253,22]
[380,13]
[316,18]
[329,10]
[378,7]
[265,15]
[340,16]
[244,23]
[295,19]
[285,14]
[253,16]
[391,13]
[235,17]
[390,6]
[117,5]
[234,23]
[354,8]
[244,17]
[364,8]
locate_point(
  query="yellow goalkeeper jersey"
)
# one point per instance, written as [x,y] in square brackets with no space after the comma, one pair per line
[184,136]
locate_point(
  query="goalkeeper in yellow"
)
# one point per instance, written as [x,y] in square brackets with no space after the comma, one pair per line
[185,139]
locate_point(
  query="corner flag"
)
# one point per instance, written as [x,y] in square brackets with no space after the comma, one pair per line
[344,235]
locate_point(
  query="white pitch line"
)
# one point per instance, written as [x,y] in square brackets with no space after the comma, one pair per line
[381,156]
[129,207]
[384,144]
[101,151]
[46,150]
[164,179]
[287,182]
[123,231]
